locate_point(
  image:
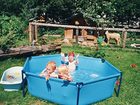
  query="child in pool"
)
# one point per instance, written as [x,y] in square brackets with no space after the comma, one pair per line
[63,73]
[71,61]
[49,71]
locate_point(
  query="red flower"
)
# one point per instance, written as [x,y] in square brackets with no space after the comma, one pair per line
[133,65]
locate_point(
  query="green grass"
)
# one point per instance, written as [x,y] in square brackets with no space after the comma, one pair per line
[129,94]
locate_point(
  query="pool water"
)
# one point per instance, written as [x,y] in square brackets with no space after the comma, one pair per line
[84,76]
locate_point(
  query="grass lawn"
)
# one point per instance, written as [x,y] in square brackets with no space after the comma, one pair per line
[130,89]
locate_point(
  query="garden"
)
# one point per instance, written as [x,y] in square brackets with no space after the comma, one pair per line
[123,60]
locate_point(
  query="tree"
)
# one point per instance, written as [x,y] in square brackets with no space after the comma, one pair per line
[10,7]
[127,11]
[101,11]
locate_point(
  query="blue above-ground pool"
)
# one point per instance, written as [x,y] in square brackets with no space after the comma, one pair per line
[94,80]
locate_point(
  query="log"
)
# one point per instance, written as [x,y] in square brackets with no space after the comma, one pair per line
[29,50]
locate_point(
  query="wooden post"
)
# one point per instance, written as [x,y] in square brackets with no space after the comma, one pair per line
[77,32]
[124,33]
[35,37]
[30,32]
[33,33]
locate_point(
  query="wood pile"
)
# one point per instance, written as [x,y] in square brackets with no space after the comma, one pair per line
[30,50]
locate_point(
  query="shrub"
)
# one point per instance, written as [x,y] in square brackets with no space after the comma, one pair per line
[12,30]
[51,31]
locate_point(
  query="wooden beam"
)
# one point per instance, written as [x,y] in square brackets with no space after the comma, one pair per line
[83,27]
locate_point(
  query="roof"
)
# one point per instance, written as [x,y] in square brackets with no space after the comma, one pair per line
[83,21]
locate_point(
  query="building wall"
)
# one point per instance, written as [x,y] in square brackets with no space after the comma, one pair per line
[68,33]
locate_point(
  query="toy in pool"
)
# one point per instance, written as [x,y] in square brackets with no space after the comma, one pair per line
[93,81]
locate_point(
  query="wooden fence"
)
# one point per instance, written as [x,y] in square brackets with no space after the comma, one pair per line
[34,25]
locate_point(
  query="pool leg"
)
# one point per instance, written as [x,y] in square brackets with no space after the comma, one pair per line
[23,85]
[118,83]
[79,86]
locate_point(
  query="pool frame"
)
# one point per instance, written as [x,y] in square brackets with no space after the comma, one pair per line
[78,87]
